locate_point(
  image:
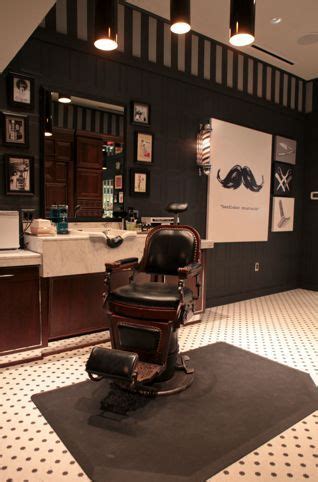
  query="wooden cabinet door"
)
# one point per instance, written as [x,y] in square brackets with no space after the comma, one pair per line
[89,152]
[59,170]
[76,305]
[20,325]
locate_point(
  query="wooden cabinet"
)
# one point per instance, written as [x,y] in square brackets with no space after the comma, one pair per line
[89,174]
[59,170]
[20,324]
[75,305]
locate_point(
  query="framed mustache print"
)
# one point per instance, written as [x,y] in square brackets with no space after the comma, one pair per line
[239,184]
[283,179]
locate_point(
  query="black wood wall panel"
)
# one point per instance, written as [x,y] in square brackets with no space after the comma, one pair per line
[310,226]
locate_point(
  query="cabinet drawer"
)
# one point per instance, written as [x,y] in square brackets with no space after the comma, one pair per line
[19,274]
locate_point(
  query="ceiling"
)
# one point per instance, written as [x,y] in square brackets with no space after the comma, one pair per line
[299,19]
[18,20]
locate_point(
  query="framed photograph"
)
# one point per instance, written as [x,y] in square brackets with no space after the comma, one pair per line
[139,182]
[285,150]
[19,175]
[119,181]
[140,113]
[120,197]
[144,147]
[15,130]
[283,179]
[283,214]
[20,91]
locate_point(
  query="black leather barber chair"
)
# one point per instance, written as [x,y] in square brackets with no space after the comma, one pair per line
[145,316]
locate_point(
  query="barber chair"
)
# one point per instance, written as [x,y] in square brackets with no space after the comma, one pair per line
[145,316]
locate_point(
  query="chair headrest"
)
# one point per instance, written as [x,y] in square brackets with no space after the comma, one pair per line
[177,207]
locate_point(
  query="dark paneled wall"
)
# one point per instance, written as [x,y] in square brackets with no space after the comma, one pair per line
[310,226]
[178,107]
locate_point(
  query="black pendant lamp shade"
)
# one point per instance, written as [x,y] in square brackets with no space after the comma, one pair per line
[242,22]
[48,124]
[106,28]
[180,15]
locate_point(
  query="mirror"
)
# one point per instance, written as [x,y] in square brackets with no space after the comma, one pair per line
[84,158]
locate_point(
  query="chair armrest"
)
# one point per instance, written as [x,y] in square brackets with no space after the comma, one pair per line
[192,269]
[122,264]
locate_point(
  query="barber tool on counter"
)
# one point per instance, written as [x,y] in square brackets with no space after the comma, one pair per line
[59,217]
[132,218]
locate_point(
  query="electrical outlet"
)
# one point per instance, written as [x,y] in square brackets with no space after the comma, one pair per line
[27,215]
[256,268]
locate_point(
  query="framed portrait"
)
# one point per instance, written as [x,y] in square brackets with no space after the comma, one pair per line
[140,113]
[19,175]
[118,182]
[283,179]
[285,150]
[144,147]
[121,197]
[139,182]
[20,91]
[15,130]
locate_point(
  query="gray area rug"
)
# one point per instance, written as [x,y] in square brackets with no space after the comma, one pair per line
[237,402]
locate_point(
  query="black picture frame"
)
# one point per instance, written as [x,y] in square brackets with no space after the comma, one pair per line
[135,172]
[26,102]
[138,154]
[12,161]
[134,118]
[283,179]
[11,134]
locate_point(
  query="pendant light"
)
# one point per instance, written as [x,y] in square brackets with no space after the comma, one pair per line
[106,29]
[64,99]
[180,16]
[48,124]
[242,22]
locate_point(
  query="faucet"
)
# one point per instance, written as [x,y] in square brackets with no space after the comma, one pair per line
[76,209]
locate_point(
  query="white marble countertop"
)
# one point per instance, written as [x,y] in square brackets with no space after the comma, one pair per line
[84,252]
[19,257]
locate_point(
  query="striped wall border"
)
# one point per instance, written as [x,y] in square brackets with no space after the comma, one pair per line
[69,116]
[147,37]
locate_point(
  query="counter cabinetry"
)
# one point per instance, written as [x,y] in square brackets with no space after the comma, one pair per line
[20,324]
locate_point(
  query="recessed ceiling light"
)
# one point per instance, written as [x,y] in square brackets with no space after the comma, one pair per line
[276,20]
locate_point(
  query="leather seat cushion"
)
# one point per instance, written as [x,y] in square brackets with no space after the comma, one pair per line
[150,294]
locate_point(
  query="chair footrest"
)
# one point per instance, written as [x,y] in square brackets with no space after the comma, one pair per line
[147,371]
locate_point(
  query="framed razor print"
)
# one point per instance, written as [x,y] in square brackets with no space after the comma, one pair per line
[283,214]
[19,175]
[15,130]
[144,147]
[285,150]
[20,91]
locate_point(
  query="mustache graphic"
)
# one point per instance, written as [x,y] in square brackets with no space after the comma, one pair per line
[240,175]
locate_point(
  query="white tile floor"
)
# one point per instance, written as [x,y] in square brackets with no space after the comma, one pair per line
[282,327]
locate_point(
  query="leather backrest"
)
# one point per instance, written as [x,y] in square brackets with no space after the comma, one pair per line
[170,248]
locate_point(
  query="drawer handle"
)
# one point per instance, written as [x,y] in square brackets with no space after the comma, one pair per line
[7,275]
